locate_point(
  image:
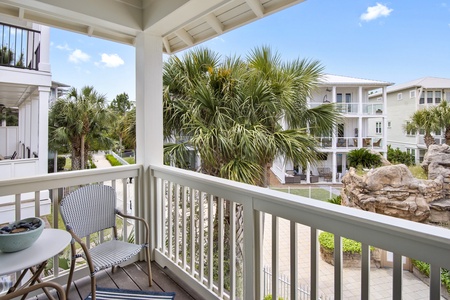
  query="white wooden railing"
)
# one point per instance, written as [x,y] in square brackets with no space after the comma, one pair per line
[58,184]
[185,206]
[187,194]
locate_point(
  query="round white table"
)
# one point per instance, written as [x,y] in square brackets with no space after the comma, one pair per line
[50,243]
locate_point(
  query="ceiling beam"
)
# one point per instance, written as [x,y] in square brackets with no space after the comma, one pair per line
[167,45]
[214,23]
[185,37]
[256,7]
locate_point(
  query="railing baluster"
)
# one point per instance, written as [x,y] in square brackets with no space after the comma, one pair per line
[192,214]
[338,267]
[435,282]
[221,242]
[365,271]
[314,264]
[294,260]
[164,200]
[17,207]
[275,269]
[232,250]
[124,207]
[201,232]
[170,220]
[397,276]
[210,241]
[184,229]
[177,223]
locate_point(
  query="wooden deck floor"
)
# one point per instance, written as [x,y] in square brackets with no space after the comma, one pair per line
[131,277]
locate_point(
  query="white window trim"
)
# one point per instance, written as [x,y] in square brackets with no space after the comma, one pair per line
[412,94]
[399,96]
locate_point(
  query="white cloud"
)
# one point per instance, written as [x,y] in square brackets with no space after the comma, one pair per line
[64,47]
[375,12]
[78,56]
[111,60]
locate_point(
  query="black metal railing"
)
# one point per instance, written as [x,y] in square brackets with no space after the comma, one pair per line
[20,47]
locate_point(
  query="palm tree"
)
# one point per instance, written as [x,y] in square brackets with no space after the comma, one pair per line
[80,121]
[423,119]
[231,112]
[441,115]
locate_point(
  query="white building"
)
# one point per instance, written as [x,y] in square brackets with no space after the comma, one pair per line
[405,99]
[363,125]
[25,86]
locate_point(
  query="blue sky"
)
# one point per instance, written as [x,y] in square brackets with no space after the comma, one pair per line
[391,41]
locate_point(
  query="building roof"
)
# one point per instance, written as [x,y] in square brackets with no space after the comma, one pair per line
[337,80]
[425,82]
[180,23]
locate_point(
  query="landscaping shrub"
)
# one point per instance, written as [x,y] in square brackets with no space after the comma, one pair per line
[364,158]
[335,200]
[326,240]
[269,297]
[61,162]
[424,268]
[397,156]
[112,160]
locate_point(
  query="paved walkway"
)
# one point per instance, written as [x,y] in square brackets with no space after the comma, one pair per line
[380,279]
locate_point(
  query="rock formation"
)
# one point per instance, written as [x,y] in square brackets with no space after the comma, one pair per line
[393,191]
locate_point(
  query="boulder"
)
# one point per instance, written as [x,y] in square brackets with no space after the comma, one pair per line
[391,190]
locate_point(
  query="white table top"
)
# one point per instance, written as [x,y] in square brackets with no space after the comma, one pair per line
[50,243]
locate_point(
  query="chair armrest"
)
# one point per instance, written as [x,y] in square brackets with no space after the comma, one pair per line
[42,285]
[147,229]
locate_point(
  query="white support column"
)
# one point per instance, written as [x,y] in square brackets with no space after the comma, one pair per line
[360,101]
[21,131]
[149,118]
[334,167]
[44,60]
[27,139]
[34,126]
[385,123]
[42,150]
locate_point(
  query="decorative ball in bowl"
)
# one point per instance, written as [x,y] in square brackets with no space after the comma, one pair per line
[20,234]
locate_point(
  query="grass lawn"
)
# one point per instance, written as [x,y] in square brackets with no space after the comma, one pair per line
[130,160]
[321,194]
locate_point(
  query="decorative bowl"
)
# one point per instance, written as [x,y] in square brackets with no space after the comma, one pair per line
[21,234]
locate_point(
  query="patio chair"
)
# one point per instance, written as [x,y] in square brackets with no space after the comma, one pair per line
[13,156]
[377,143]
[91,209]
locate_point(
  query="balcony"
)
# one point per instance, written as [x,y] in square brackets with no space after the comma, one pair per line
[195,213]
[19,47]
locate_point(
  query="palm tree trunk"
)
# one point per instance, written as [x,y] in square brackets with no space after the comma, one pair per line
[429,140]
[447,135]
[83,162]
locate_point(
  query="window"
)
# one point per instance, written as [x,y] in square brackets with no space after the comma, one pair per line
[339,98]
[429,97]
[389,124]
[422,99]
[422,131]
[412,152]
[340,129]
[399,96]
[412,94]
[437,97]
[378,127]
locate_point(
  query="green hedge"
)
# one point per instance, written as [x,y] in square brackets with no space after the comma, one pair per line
[424,268]
[112,160]
[61,162]
[326,240]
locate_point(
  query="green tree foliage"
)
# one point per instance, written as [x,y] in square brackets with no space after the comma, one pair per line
[423,119]
[120,107]
[441,115]
[230,110]
[79,122]
[364,158]
[396,156]
[9,115]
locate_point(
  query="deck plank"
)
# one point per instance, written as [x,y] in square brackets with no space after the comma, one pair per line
[132,277]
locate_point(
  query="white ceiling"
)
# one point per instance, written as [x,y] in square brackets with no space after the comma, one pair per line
[181,23]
